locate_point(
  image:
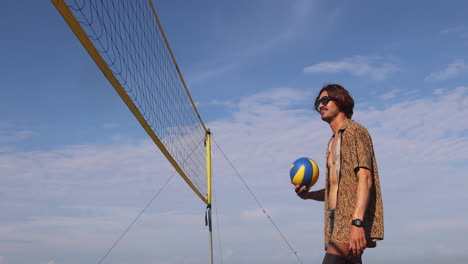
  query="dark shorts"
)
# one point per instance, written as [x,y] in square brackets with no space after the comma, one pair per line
[343,254]
[335,259]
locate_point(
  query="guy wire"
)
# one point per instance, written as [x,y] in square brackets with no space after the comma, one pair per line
[258,202]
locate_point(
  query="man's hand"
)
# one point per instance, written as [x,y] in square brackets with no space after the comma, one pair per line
[357,241]
[302,191]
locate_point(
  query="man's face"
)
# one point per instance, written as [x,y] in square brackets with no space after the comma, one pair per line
[329,110]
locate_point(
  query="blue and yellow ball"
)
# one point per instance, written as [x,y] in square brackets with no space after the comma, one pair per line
[304,172]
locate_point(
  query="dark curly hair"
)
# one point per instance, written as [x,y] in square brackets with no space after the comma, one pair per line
[341,97]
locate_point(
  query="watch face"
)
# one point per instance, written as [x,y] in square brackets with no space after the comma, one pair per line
[357,223]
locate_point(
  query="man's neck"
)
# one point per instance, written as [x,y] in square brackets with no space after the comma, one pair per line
[337,122]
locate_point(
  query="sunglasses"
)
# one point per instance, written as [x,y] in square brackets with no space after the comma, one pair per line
[324,101]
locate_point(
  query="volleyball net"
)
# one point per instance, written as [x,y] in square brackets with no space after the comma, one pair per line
[127,42]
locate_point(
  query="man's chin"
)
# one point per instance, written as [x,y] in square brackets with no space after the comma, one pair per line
[326,118]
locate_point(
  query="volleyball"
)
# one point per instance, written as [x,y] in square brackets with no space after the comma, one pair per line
[304,172]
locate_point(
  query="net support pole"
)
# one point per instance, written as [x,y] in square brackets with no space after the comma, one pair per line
[208,192]
[208,166]
[210,233]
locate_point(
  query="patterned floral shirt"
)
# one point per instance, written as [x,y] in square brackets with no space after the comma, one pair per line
[354,150]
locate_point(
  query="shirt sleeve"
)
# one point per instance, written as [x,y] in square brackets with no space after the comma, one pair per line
[364,151]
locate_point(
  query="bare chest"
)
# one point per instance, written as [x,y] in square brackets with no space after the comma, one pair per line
[332,161]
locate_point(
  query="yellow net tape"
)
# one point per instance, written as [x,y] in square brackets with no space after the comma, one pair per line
[128,44]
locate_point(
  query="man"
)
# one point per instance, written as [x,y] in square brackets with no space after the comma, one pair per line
[352,196]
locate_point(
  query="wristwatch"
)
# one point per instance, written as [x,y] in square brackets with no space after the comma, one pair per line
[357,222]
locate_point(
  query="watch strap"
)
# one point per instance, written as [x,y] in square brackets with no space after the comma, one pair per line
[357,222]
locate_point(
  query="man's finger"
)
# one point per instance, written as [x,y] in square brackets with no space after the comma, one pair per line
[361,246]
[356,248]
[352,246]
[298,189]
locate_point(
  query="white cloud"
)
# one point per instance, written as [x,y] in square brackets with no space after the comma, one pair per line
[454,29]
[390,94]
[438,91]
[373,67]
[453,70]
[253,215]
[454,251]
[73,174]
[462,31]
[87,195]
[415,143]
[7,136]
[438,224]
[421,130]
[210,71]
[225,103]
[79,237]
[459,31]
[110,125]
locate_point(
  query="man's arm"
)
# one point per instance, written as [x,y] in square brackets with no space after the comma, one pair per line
[358,241]
[304,193]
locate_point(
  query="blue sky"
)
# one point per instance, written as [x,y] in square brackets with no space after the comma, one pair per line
[76,167]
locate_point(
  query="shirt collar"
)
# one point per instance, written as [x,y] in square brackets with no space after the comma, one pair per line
[345,125]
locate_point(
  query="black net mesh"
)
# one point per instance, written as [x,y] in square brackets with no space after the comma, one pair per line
[127,36]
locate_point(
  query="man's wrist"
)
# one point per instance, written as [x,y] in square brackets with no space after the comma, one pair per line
[357,222]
